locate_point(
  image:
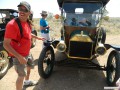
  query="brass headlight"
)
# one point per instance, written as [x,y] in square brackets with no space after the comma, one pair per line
[61,46]
[100,49]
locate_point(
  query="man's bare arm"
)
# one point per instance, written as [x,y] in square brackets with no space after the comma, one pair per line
[9,48]
[39,38]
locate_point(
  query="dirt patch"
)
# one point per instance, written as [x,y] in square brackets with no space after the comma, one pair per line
[63,78]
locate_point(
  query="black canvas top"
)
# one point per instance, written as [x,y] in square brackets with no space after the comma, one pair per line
[60,2]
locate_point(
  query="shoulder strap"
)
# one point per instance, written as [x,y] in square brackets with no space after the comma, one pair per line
[20,26]
[29,24]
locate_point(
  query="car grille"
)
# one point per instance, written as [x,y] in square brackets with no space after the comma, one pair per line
[81,50]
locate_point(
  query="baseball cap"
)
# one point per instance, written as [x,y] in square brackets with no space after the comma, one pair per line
[25,4]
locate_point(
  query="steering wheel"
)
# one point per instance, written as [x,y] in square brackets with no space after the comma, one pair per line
[89,23]
[84,24]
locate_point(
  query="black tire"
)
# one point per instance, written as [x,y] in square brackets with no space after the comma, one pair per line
[113,68]
[62,32]
[102,35]
[33,40]
[4,63]
[46,57]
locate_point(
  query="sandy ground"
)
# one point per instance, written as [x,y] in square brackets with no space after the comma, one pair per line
[63,78]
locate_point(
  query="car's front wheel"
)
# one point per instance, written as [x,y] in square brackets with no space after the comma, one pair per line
[33,40]
[46,62]
[113,68]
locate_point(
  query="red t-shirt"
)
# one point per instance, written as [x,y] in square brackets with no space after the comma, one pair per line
[22,46]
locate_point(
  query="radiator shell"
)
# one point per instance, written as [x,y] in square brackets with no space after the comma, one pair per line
[80,46]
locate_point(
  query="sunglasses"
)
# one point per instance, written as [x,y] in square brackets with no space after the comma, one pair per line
[22,10]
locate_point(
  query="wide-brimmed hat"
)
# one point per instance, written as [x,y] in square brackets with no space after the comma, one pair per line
[44,13]
[25,4]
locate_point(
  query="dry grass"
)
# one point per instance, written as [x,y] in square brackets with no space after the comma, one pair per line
[55,26]
[112,26]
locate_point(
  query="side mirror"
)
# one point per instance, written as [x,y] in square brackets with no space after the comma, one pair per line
[57,16]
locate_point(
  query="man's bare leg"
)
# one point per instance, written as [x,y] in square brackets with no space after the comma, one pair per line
[19,83]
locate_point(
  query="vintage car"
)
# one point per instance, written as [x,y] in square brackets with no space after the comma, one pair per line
[5,16]
[82,39]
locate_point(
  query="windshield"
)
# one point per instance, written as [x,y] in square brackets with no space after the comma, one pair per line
[6,16]
[3,14]
[76,13]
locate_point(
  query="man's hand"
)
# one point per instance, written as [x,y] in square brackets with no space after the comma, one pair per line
[22,60]
[41,38]
[48,27]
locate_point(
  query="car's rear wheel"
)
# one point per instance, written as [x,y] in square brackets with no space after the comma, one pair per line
[113,68]
[4,63]
[33,40]
[46,62]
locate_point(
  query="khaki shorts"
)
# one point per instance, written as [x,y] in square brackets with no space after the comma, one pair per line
[21,69]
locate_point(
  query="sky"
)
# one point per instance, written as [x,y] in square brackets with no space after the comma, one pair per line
[51,5]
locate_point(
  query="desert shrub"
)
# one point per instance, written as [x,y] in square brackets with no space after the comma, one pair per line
[106,18]
[112,25]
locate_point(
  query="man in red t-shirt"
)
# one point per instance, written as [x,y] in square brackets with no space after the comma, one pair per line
[19,46]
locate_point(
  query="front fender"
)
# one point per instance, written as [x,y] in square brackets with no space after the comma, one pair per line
[116,47]
[55,43]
